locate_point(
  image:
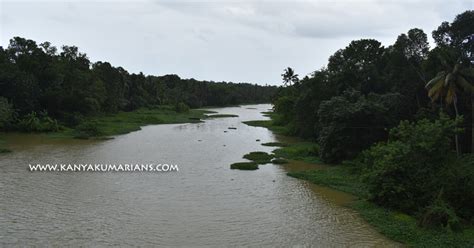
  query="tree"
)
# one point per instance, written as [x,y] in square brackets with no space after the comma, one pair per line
[446,86]
[358,66]
[289,77]
[455,40]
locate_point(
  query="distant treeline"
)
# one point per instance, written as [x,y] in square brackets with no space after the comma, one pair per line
[37,78]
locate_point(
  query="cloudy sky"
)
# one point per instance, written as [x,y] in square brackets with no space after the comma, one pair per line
[240,41]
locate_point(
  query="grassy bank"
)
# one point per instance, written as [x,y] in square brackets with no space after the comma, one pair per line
[126,122]
[394,225]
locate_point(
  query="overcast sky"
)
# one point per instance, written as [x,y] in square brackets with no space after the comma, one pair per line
[239,41]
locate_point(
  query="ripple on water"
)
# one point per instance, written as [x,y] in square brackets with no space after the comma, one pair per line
[204,204]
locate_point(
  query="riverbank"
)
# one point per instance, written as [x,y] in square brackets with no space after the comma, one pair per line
[394,225]
[126,122]
[103,127]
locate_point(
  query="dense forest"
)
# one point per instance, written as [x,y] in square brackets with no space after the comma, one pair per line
[400,116]
[39,84]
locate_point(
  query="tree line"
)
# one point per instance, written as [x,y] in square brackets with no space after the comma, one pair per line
[39,82]
[403,114]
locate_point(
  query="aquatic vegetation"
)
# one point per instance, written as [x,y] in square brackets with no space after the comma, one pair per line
[268,124]
[221,116]
[305,151]
[5,150]
[244,166]
[259,157]
[279,161]
[278,144]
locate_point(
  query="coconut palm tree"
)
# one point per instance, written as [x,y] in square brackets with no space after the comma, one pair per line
[446,86]
[289,77]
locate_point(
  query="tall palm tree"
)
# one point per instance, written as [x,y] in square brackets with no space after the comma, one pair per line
[446,86]
[289,77]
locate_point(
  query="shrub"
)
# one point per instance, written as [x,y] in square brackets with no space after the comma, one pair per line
[181,107]
[409,170]
[440,215]
[352,122]
[88,129]
[41,122]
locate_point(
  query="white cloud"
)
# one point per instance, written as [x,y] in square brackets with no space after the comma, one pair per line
[243,40]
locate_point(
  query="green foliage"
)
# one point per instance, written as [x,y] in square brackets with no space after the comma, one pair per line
[6,114]
[279,161]
[408,171]
[125,122]
[221,116]
[270,124]
[352,122]
[259,157]
[34,122]
[279,144]
[306,151]
[88,129]
[181,107]
[285,106]
[244,166]
[66,84]
[440,215]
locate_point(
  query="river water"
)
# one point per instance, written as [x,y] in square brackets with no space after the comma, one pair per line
[203,204]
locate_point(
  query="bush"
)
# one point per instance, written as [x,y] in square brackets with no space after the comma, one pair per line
[352,122]
[440,215]
[72,119]
[88,129]
[408,171]
[41,122]
[181,107]
[285,107]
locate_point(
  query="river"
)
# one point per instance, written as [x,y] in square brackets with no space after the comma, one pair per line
[203,204]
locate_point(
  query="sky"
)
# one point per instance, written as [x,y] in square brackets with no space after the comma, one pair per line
[240,41]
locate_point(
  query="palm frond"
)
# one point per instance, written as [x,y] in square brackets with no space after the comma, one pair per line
[450,94]
[465,85]
[434,81]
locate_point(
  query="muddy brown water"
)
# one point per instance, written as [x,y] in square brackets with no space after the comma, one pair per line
[203,204]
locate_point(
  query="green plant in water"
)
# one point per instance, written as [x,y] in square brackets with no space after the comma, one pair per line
[259,157]
[244,166]
[279,161]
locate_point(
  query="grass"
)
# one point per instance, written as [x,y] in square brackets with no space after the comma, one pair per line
[304,151]
[337,177]
[244,166]
[279,161]
[267,124]
[259,157]
[277,144]
[126,122]
[221,116]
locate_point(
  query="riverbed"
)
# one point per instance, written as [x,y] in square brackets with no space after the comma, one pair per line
[205,203]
